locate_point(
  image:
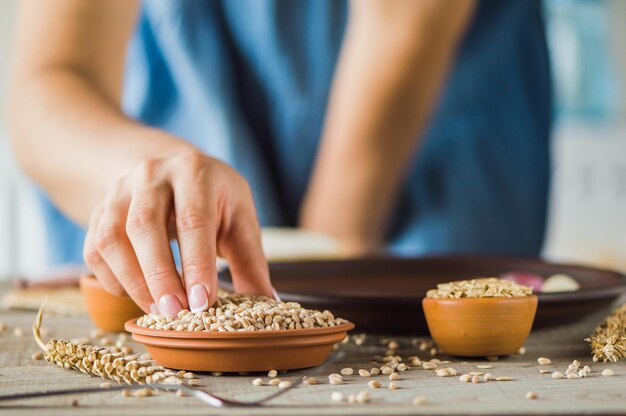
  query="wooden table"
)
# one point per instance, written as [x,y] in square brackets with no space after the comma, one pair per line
[595,394]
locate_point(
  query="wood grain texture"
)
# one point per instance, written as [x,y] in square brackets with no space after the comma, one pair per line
[593,395]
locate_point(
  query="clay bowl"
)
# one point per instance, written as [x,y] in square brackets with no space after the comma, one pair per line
[108,312]
[239,351]
[473,327]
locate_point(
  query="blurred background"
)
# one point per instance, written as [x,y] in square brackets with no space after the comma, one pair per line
[587,216]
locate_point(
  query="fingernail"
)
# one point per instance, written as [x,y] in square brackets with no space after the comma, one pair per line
[169,305]
[275,293]
[198,299]
[154,308]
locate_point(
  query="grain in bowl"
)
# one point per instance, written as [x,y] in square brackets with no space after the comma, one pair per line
[238,312]
[486,287]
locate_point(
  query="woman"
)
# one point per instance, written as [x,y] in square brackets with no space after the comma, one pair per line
[412,126]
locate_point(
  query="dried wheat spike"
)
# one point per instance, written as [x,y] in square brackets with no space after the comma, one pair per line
[96,360]
[608,341]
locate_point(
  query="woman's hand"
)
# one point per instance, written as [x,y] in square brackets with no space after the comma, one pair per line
[205,205]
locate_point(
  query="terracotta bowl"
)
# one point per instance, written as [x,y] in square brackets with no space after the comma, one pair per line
[239,351]
[108,312]
[480,326]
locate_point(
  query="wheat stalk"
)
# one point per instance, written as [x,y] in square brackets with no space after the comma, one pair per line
[608,341]
[104,362]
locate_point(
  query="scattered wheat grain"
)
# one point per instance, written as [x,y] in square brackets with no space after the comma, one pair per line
[531,395]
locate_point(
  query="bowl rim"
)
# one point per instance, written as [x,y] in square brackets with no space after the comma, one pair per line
[132,327]
[486,299]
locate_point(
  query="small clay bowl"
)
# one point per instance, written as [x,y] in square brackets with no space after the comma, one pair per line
[473,327]
[239,351]
[108,312]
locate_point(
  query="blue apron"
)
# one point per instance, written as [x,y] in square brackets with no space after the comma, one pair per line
[247,81]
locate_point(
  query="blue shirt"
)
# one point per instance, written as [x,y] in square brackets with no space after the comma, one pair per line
[247,81]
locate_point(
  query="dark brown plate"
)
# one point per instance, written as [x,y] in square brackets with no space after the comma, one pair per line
[384,295]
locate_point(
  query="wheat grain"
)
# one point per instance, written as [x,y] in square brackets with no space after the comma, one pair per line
[336,396]
[310,381]
[362,397]
[531,395]
[335,380]
[479,288]
[429,366]
[420,400]
[274,382]
[386,370]
[143,393]
[445,372]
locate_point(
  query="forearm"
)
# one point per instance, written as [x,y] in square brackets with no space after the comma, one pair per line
[385,87]
[74,141]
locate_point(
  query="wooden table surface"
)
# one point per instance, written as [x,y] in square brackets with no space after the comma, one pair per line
[595,394]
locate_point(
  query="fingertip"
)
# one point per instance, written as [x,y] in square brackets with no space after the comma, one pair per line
[170,305]
[275,294]
[198,298]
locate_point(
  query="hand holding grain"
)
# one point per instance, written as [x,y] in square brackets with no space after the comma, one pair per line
[199,201]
